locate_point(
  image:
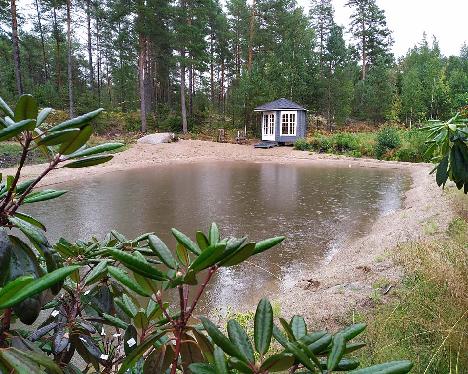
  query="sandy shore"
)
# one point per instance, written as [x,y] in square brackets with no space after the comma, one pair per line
[341,283]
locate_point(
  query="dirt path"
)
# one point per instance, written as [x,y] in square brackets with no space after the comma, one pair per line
[341,283]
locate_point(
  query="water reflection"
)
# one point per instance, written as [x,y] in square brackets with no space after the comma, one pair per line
[316,208]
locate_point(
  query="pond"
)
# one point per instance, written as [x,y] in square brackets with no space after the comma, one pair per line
[318,209]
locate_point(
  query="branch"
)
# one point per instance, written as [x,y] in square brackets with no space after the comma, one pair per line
[24,154]
[51,166]
[200,291]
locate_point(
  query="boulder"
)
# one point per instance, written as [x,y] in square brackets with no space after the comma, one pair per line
[158,138]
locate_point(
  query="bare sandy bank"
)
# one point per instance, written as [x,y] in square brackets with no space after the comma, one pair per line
[341,283]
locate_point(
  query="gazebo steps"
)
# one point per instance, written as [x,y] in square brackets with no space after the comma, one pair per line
[266,145]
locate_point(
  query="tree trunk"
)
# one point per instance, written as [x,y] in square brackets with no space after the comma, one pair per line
[70,61]
[90,49]
[98,53]
[16,51]
[141,73]
[58,66]
[364,53]
[191,87]
[212,90]
[251,37]
[44,55]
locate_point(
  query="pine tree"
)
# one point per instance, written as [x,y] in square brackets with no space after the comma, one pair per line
[321,15]
[16,50]
[369,29]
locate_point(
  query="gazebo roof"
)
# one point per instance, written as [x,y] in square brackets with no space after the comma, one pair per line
[279,104]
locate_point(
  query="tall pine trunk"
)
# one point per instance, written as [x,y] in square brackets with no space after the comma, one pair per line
[90,49]
[58,65]
[141,73]
[98,53]
[183,107]
[41,31]
[364,52]
[16,51]
[70,61]
[251,37]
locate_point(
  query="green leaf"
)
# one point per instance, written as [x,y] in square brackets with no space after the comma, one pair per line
[89,161]
[298,327]
[205,346]
[213,236]
[32,232]
[6,109]
[162,251]
[240,366]
[42,116]
[122,277]
[352,331]
[107,147]
[18,363]
[23,186]
[76,141]
[39,285]
[344,365]
[58,137]
[13,130]
[337,351]
[267,244]
[31,220]
[442,175]
[97,273]
[219,339]
[13,287]
[278,362]
[202,240]
[321,344]
[242,254]
[137,265]
[139,351]
[114,321]
[220,361]
[26,108]
[43,195]
[287,329]
[201,368]
[239,338]
[300,355]
[40,359]
[394,367]
[263,326]
[79,122]
[186,242]
[208,257]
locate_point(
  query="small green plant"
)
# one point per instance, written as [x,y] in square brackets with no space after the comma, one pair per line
[388,139]
[301,144]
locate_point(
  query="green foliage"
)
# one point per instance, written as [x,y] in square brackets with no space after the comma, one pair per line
[449,140]
[387,140]
[301,144]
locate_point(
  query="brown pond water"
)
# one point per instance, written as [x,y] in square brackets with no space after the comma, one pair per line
[318,209]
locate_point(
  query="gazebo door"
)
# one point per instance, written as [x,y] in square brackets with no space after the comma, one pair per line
[268,126]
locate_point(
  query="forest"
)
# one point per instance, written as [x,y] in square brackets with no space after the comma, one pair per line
[188,64]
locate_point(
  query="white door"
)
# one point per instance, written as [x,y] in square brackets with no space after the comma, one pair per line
[268,126]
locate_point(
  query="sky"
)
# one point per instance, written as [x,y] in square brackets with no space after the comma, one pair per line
[409,19]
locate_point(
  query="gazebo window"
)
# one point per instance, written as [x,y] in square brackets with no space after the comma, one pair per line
[288,123]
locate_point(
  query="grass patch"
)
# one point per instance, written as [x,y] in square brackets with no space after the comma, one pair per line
[428,322]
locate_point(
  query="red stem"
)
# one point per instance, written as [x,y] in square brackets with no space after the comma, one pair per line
[200,292]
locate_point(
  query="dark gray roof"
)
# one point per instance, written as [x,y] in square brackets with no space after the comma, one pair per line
[279,104]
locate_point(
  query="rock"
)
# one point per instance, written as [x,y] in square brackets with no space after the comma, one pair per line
[158,138]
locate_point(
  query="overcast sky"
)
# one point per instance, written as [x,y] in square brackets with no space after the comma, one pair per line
[409,19]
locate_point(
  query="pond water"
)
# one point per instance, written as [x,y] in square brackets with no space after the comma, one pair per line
[318,209]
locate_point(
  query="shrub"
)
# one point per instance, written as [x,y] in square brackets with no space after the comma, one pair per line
[301,144]
[388,139]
